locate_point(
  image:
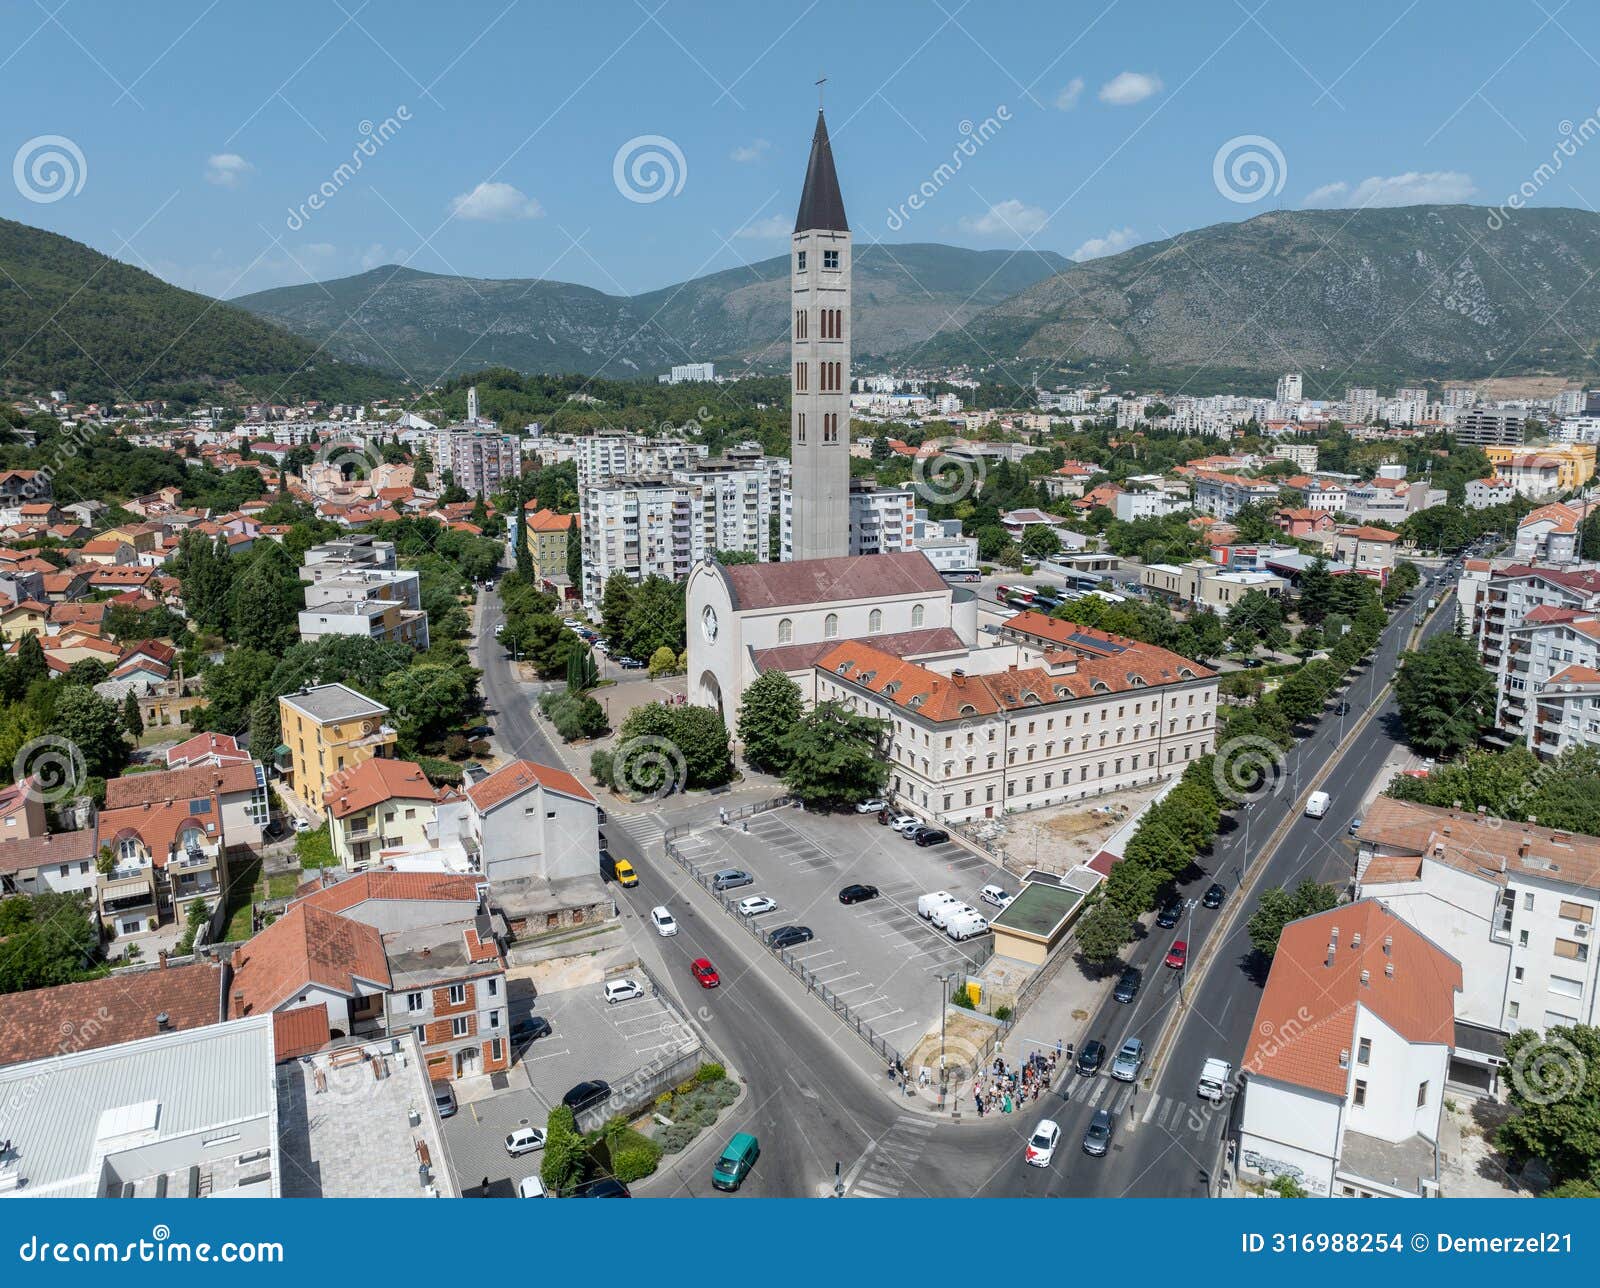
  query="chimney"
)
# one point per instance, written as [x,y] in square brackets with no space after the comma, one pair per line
[162,1023]
[162,958]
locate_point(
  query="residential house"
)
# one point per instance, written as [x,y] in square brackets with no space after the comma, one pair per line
[1366,550]
[239,788]
[1223,495]
[377,805]
[207,749]
[1326,495]
[1553,534]
[1349,1055]
[1482,494]
[547,534]
[60,863]
[1306,524]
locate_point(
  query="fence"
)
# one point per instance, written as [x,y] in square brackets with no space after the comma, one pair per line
[641,1088]
[827,996]
[1037,982]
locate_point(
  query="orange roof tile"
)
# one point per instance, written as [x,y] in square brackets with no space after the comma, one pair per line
[306,945]
[362,786]
[512,779]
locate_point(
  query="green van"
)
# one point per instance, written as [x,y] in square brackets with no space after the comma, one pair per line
[736,1161]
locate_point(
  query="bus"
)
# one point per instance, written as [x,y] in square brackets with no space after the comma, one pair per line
[1017,596]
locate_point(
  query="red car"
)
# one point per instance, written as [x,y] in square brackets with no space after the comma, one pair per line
[705,972]
[1178,954]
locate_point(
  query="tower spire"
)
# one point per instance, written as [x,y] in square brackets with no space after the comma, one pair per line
[821,203]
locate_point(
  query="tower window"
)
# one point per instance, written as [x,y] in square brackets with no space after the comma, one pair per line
[830,259]
[800,377]
[830,427]
[800,261]
[800,426]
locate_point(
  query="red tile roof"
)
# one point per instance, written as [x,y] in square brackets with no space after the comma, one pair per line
[179,784]
[548,520]
[514,778]
[306,945]
[224,746]
[362,786]
[822,581]
[299,1032]
[22,853]
[46,1022]
[802,657]
[1307,1015]
[341,896]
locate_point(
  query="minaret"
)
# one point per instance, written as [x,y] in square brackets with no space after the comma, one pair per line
[819,430]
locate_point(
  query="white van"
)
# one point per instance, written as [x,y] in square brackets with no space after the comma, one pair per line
[965,925]
[929,904]
[945,913]
[1317,804]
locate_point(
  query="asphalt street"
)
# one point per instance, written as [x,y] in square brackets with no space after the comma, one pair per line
[816,1097]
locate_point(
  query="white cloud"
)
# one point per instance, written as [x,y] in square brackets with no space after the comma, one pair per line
[227,169]
[1127,88]
[1010,218]
[495,202]
[750,151]
[1412,188]
[768,229]
[1118,239]
[1067,99]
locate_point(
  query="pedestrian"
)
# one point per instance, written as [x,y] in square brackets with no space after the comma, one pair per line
[1058,1048]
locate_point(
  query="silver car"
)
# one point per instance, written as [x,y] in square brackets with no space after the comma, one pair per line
[1097,1135]
[1130,1059]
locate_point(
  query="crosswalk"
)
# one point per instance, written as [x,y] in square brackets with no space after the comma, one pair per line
[1178,1116]
[646,829]
[889,1166]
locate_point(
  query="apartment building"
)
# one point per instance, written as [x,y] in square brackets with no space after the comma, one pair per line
[327,728]
[1483,427]
[1223,495]
[1482,494]
[1302,454]
[1149,503]
[944,544]
[164,855]
[1201,583]
[1367,550]
[547,534]
[1544,471]
[640,527]
[1349,1055]
[1553,534]
[605,456]
[1019,725]
[736,504]
[882,519]
[480,458]
[1323,494]
[1514,902]
[1390,500]
[1507,599]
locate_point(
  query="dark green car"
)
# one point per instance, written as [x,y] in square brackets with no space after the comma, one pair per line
[729,1171]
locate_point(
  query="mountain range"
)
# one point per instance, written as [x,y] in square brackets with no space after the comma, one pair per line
[430,325]
[1382,297]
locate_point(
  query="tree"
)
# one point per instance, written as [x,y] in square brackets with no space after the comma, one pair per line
[1278,907]
[616,601]
[575,715]
[1316,593]
[264,603]
[1040,542]
[1446,697]
[1555,1095]
[91,723]
[49,938]
[31,665]
[132,720]
[663,662]
[427,700]
[574,556]
[703,740]
[1300,697]
[562,1165]
[582,673]
[834,757]
[769,712]
[1103,931]
[732,558]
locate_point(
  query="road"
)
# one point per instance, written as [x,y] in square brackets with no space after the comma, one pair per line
[815,1096]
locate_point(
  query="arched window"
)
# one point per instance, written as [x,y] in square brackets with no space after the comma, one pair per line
[830,626]
[786,630]
[875,621]
[918,615]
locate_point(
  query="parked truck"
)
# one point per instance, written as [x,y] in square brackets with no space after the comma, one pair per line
[930,903]
[1216,1076]
[1317,804]
[965,924]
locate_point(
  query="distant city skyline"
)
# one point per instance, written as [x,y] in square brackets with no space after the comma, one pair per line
[230,149]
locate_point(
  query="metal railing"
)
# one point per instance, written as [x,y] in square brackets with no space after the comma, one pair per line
[729,904]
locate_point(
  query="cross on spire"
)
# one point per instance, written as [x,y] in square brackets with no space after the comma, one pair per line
[822,80]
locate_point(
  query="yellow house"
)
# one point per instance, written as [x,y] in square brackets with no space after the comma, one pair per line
[25,618]
[547,534]
[329,728]
[1542,470]
[377,806]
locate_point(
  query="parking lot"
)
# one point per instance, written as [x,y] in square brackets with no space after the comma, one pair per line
[879,957]
[589,1039]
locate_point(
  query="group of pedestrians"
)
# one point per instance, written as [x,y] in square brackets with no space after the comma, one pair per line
[1002,1088]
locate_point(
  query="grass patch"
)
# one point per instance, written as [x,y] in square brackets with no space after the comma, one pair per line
[244,887]
[315,849]
[282,885]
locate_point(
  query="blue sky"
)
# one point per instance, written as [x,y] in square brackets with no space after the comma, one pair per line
[204,128]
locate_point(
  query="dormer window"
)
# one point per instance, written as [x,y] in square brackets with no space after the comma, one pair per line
[969,710]
[917,701]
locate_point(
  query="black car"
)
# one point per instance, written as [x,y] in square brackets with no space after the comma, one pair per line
[1091,1058]
[1215,893]
[1128,986]
[585,1095]
[606,1187]
[1343,709]
[530,1029]
[930,836]
[858,893]
[790,936]
[1171,910]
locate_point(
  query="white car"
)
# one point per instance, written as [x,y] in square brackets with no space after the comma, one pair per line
[531,1187]
[1042,1144]
[903,823]
[662,920]
[622,990]
[524,1141]
[993,894]
[872,806]
[300,825]
[755,905]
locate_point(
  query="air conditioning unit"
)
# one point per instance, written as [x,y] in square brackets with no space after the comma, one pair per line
[1581,931]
